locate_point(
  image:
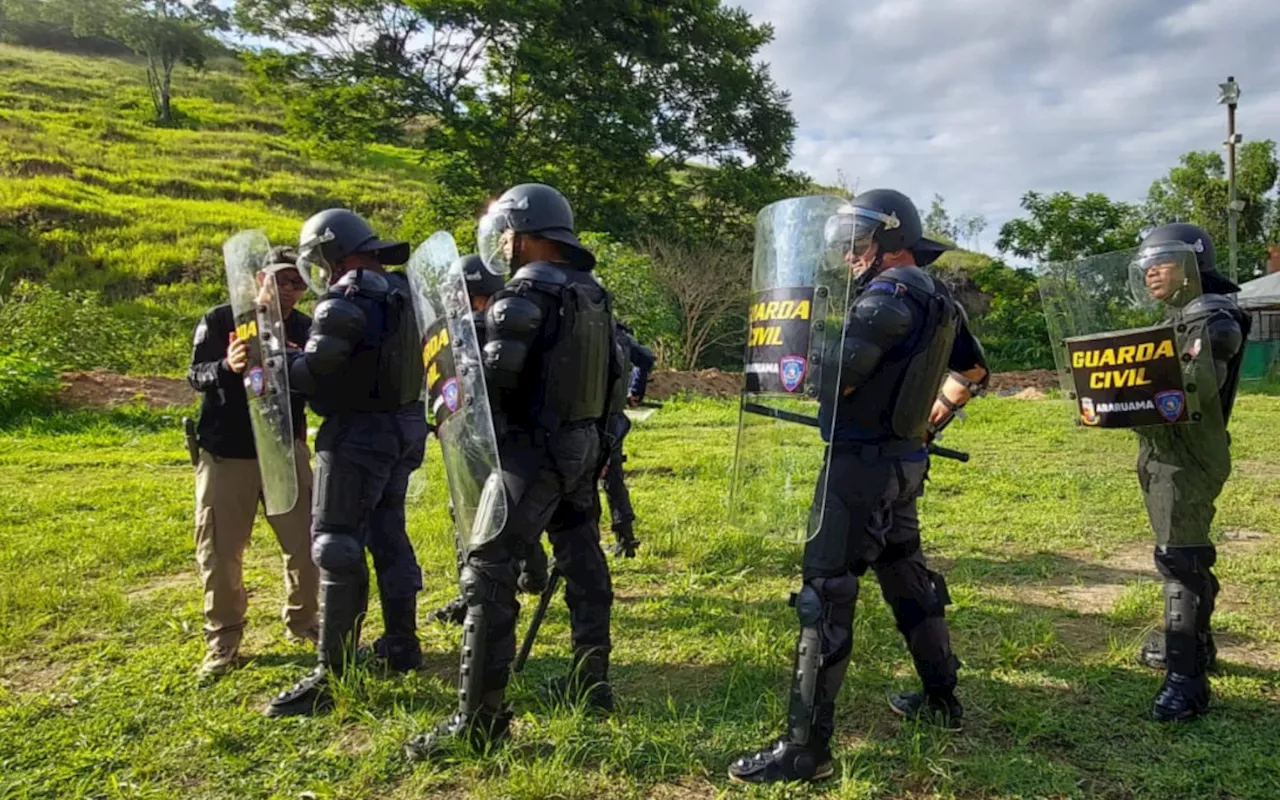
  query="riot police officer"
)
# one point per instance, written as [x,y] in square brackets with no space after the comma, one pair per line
[903,334]
[482,285]
[1182,468]
[637,363]
[361,371]
[550,362]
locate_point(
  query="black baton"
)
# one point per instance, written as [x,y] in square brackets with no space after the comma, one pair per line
[552,584]
[812,422]
[193,442]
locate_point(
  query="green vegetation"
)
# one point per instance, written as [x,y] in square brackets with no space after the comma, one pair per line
[100,621]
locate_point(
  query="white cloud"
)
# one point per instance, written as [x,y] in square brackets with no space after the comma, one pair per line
[982,100]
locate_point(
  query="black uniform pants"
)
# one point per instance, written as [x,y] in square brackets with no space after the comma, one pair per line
[553,488]
[615,487]
[1179,488]
[363,464]
[869,520]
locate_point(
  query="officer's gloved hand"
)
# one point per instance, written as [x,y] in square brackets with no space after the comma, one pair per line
[626,545]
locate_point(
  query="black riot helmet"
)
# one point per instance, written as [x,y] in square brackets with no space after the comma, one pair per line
[480,281]
[334,234]
[889,219]
[530,208]
[1194,240]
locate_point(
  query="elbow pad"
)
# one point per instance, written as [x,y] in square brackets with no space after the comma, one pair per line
[878,323]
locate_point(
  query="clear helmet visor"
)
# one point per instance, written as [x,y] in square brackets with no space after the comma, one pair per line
[1167,273]
[313,266]
[494,239]
[850,234]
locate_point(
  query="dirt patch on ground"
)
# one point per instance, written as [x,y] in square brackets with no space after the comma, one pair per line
[667,383]
[1019,383]
[102,389]
[26,676]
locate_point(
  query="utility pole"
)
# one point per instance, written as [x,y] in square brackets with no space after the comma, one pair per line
[1229,95]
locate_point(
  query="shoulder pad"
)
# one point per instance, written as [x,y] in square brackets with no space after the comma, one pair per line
[514,316]
[1225,336]
[366,281]
[339,316]
[887,317]
[1206,304]
[540,272]
[913,277]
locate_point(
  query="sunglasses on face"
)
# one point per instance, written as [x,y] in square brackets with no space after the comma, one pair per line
[292,283]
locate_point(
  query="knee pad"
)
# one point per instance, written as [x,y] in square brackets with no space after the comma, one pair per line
[826,599]
[913,601]
[1188,565]
[337,552]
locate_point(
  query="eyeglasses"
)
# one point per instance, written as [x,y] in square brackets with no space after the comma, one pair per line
[292,283]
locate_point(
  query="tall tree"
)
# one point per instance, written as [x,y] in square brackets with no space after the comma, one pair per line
[1063,226]
[1196,190]
[613,101]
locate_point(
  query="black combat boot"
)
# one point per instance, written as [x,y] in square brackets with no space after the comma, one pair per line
[588,680]
[342,609]
[1185,692]
[483,720]
[1181,698]
[803,753]
[787,760]
[933,706]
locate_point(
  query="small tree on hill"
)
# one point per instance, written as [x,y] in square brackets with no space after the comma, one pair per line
[166,33]
[709,285]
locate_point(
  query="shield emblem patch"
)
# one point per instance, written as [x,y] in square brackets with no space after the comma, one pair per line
[257,381]
[1170,404]
[450,394]
[791,370]
[1088,414]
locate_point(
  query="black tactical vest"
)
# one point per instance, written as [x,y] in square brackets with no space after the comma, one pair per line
[579,362]
[894,404]
[385,371]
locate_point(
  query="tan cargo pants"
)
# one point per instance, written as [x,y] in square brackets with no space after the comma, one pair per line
[227,497]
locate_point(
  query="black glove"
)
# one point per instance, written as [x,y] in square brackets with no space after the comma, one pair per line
[626,545]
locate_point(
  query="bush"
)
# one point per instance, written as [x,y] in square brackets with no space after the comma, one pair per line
[66,331]
[27,387]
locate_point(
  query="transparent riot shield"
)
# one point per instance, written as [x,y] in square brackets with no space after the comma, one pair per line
[1118,343]
[457,399]
[800,291]
[255,301]
[1128,336]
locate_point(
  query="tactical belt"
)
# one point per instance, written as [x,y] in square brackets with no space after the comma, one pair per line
[870,453]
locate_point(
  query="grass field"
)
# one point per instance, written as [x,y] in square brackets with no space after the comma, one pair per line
[100,635]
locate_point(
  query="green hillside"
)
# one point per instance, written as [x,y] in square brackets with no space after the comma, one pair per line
[92,195]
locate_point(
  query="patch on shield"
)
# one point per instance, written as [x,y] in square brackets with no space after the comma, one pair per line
[257,381]
[1170,404]
[450,394]
[791,369]
[1088,414]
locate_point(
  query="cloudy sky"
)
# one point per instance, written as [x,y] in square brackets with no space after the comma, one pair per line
[982,100]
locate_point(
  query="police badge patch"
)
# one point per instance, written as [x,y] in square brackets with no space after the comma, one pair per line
[450,394]
[1170,404]
[791,370]
[257,380]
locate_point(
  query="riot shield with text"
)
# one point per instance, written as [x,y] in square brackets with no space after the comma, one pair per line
[1122,356]
[801,288]
[255,301]
[1127,330]
[457,399]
